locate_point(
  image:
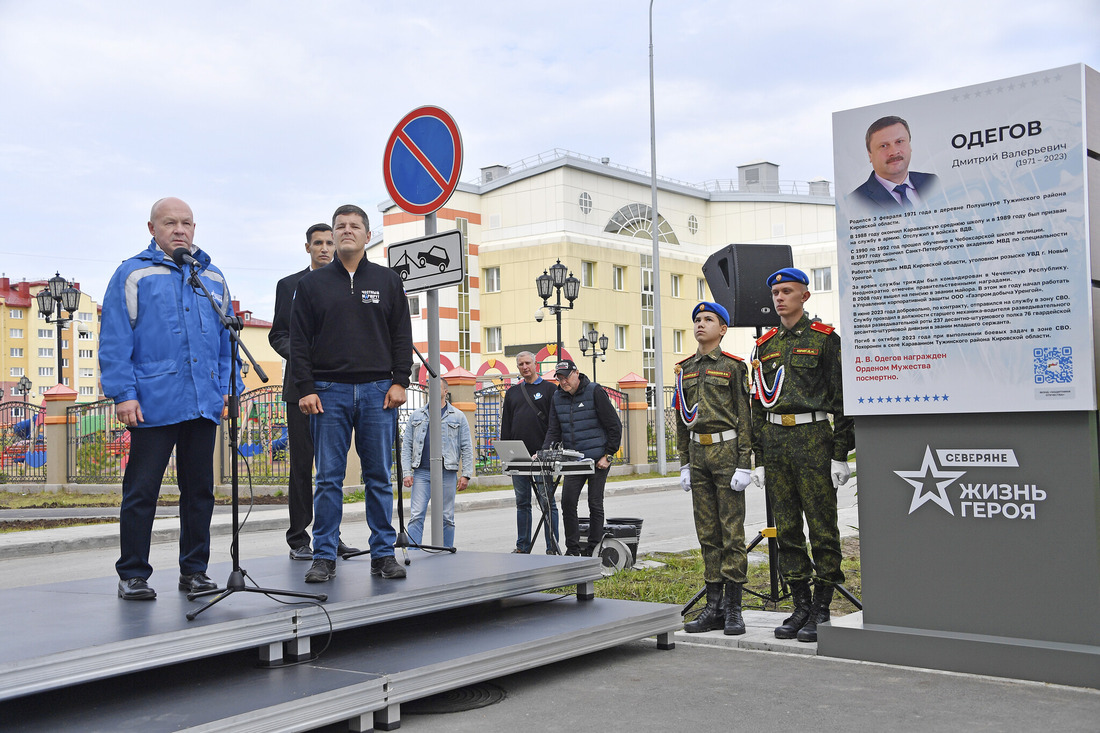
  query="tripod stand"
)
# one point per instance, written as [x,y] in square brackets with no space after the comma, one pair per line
[549,486]
[235,583]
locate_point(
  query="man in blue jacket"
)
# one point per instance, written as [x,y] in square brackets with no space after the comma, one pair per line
[165,360]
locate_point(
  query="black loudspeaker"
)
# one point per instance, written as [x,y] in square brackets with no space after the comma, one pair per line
[738,279]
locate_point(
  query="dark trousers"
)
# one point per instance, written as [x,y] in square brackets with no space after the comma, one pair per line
[300,490]
[150,449]
[570,496]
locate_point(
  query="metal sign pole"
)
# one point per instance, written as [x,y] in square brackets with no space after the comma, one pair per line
[435,426]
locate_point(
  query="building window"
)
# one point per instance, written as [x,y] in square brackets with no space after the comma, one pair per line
[633,220]
[823,278]
[45,353]
[15,315]
[87,372]
[675,290]
[649,356]
[588,274]
[45,333]
[620,338]
[15,333]
[619,278]
[17,353]
[87,391]
[492,340]
[414,306]
[677,342]
[16,371]
[86,354]
[87,335]
[701,289]
[585,202]
[492,279]
[64,363]
[83,316]
[64,343]
[693,224]
[45,371]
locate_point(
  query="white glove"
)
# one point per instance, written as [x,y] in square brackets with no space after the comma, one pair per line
[758,477]
[841,473]
[685,478]
[741,478]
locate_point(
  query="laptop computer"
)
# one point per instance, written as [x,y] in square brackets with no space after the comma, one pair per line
[511,450]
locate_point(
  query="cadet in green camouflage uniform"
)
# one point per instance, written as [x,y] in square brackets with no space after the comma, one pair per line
[797,384]
[713,437]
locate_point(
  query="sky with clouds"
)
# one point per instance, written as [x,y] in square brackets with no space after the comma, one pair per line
[265,116]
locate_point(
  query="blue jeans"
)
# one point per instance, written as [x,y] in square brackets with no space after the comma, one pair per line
[421,493]
[355,407]
[150,449]
[523,485]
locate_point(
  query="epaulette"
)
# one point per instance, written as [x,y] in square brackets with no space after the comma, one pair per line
[683,360]
[735,358]
[822,328]
[760,341]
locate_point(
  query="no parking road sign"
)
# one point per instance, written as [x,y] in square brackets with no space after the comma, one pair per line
[423,160]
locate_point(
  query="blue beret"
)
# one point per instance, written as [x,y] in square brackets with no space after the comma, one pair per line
[715,308]
[788,274]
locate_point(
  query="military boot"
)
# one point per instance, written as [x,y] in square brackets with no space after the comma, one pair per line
[711,617]
[735,624]
[800,596]
[819,614]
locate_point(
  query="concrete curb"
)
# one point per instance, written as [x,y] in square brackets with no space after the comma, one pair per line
[265,518]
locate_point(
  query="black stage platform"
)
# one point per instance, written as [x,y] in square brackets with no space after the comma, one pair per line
[456,620]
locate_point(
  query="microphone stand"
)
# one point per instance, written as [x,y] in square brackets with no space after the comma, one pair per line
[403,542]
[236,583]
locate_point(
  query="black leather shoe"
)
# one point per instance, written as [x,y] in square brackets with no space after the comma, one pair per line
[344,550]
[305,552]
[321,571]
[135,589]
[387,567]
[196,582]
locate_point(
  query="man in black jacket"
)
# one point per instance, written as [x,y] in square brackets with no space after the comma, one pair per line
[525,416]
[351,357]
[319,247]
[583,419]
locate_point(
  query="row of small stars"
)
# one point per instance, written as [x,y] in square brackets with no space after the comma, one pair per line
[906,398]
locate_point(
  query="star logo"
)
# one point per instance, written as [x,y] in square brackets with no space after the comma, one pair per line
[929,471]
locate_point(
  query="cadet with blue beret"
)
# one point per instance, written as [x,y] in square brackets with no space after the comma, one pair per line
[796,386]
[713,438]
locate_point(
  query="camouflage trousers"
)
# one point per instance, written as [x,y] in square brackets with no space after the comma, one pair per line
[719,512]
[797,474]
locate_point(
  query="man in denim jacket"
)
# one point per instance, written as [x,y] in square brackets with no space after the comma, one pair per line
[458,455]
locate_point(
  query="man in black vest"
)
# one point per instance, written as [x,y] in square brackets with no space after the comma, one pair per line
[583,419]
[319,247]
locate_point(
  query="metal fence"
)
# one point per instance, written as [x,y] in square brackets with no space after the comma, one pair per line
[97,445]
[22,443]
[669,416]
[262,443]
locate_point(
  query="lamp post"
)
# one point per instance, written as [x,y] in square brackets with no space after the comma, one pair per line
[556,280]
[66,297]
[592,338]
[25,387]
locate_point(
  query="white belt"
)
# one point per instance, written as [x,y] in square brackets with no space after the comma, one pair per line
[711,438]
[800,418]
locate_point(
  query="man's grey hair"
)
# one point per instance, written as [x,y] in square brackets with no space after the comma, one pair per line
[525,353]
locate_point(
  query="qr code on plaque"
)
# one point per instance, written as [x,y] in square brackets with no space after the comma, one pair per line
[1053,365]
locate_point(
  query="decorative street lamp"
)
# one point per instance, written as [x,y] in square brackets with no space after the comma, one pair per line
[61,292]
[25,387]
[593,337]
[555,280]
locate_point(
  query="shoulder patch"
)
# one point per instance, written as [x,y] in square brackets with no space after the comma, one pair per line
[766,336]
[735,358]
[822,328]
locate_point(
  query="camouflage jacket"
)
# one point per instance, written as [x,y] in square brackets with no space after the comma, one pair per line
[810,356]
[718,383]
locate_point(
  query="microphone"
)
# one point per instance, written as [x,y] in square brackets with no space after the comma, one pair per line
[182,257]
